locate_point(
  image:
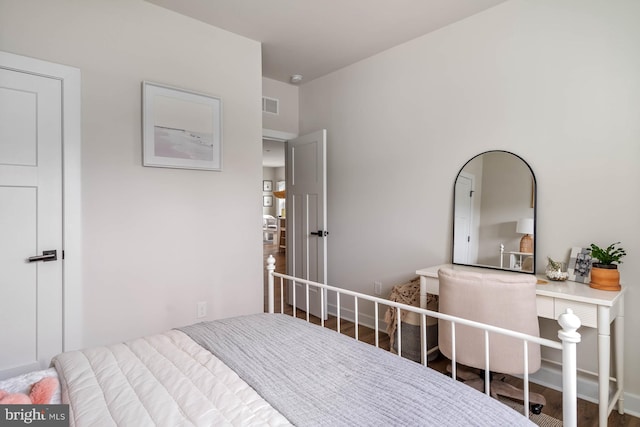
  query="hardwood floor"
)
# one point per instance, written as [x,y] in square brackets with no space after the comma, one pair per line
[587,411]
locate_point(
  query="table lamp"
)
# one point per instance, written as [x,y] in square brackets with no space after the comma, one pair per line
[525,226]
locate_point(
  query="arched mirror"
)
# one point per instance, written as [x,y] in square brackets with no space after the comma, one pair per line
[494,218]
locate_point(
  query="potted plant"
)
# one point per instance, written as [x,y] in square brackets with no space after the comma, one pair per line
[604,271]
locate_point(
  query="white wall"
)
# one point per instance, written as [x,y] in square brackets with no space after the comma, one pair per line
[554,81]
[155,240]
[287,118]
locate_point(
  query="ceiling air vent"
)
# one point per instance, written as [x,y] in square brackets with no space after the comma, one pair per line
[270,105]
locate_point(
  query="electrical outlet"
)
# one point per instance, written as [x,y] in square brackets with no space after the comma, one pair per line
[377,287]
[201,308]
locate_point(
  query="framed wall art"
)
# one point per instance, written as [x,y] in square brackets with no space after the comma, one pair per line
[579,268]
[267,185]
[267,201]
[180,128]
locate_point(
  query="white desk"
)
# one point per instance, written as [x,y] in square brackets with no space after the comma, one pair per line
[595,308]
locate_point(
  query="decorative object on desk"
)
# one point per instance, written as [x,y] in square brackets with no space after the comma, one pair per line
[604,272]
[579,265]
[525,226]
[267,185]
[556,270]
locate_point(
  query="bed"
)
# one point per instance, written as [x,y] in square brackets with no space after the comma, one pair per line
[270,369]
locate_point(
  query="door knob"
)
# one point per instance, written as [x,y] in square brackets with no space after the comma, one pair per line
[46,256]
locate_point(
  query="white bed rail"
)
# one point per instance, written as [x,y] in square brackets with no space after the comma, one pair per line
[568,335]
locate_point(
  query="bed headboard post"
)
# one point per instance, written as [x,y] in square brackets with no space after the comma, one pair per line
[570,338]
[271,267]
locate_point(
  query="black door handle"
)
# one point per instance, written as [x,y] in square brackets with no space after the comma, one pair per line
[46,256]
[320,233]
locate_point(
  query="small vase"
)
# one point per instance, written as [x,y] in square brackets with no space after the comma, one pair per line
[557,273]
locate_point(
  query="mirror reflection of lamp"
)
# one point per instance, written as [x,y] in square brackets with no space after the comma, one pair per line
[525,226]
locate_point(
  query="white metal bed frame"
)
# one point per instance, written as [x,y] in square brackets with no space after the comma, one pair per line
[568,335]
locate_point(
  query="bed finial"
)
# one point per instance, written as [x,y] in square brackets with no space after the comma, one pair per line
[570,324]
[570,337]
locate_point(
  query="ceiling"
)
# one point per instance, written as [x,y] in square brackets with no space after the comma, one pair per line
[272,153]
[316,37]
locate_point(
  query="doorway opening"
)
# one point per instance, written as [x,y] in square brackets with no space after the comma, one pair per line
[305,220]
[273,206]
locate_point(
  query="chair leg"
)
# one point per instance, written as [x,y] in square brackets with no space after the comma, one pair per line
[477,383]
[502,388]
[498,387]
[464,373]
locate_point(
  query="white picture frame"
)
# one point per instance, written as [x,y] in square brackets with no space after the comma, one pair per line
[579,267]
[181,129]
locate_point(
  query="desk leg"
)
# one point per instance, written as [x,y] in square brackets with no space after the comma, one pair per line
[604,360]
[619,337]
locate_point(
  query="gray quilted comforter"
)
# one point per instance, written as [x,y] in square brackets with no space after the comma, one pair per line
[317,377]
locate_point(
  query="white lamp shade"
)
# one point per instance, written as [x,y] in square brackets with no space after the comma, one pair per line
[525,226]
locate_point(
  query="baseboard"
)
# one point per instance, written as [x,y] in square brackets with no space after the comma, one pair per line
[363,319]
[550,376]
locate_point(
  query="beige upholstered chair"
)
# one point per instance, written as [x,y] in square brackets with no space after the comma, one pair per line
[504,300]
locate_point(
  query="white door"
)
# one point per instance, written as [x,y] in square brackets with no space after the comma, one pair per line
[30,220]
[462,232]
[307,218]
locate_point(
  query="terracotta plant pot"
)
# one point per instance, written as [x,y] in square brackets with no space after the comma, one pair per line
[605,277]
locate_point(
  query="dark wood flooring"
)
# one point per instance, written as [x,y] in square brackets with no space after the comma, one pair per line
[587,411]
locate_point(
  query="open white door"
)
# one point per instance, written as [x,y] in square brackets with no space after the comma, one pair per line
[307,217]
[31,220]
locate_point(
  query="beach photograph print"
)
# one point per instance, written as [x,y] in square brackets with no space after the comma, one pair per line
[181,129]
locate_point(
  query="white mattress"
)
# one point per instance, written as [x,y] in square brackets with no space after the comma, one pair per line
[164,379]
